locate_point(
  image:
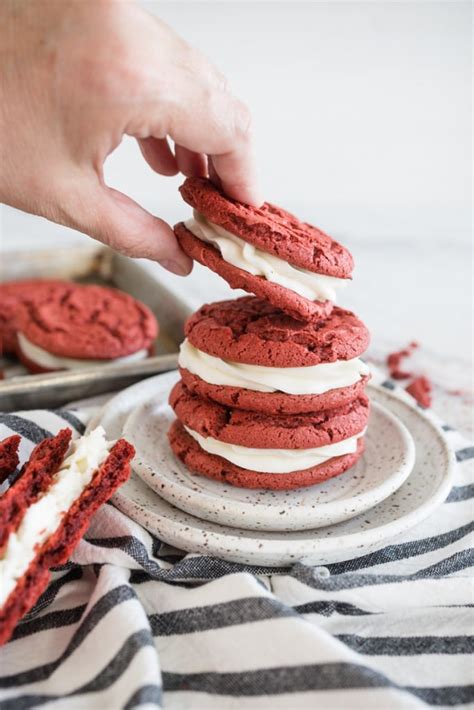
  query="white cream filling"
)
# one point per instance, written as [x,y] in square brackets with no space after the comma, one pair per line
[275,460]
[314,379]
[43,517]
[235,251]
[49,361]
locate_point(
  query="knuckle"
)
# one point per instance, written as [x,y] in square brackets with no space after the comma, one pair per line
[205,72]
[190,60]
[221,82]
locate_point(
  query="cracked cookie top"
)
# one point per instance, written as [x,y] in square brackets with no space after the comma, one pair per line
[252,331]
[270,228]
[87,322]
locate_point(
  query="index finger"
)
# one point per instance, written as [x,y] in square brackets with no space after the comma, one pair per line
[219,126]
[205,117]
[236,173]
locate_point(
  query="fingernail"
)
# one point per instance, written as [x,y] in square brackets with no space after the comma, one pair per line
[174,266]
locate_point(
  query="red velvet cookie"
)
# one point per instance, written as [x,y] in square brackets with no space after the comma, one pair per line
[13,295]
[86,323]
[251,331]
[255,430]
[271,229]
[216,467]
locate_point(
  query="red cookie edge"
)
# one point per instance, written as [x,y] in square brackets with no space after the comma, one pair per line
[9,458]
[257,430]
[272,402]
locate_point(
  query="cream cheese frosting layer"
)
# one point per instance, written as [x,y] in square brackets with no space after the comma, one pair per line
[236,251]
[275,460]
[48,361]
[315,379]
[42,518]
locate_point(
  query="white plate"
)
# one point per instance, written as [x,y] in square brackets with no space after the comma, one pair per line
[388,459]
[425,489]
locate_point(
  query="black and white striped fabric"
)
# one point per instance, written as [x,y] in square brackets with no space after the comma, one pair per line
[132,623]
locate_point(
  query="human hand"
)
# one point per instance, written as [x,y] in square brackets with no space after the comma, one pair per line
[78,75]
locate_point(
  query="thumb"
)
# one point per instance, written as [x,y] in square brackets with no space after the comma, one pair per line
[118,221]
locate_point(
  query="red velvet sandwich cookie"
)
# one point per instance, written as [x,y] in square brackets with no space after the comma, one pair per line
[8,456]
[220,469]
[266,251]
[46,511]
[78,326]
[247,354]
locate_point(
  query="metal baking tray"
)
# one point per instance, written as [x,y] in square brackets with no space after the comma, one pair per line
[92,264]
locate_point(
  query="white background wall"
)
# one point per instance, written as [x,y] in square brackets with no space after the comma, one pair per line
[361,108]
[362,117]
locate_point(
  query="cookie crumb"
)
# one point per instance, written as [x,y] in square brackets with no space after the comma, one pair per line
[420,388]
[394,360]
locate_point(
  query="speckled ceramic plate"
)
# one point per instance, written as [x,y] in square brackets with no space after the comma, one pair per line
[388,459]
[425,489]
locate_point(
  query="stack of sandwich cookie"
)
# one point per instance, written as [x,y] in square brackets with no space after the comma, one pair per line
[272,386]
[47,509]
[266,401]
[59,325]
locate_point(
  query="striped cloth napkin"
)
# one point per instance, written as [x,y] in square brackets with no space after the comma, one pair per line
[131,622]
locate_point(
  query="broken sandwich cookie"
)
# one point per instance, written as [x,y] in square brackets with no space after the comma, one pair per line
[44,514]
